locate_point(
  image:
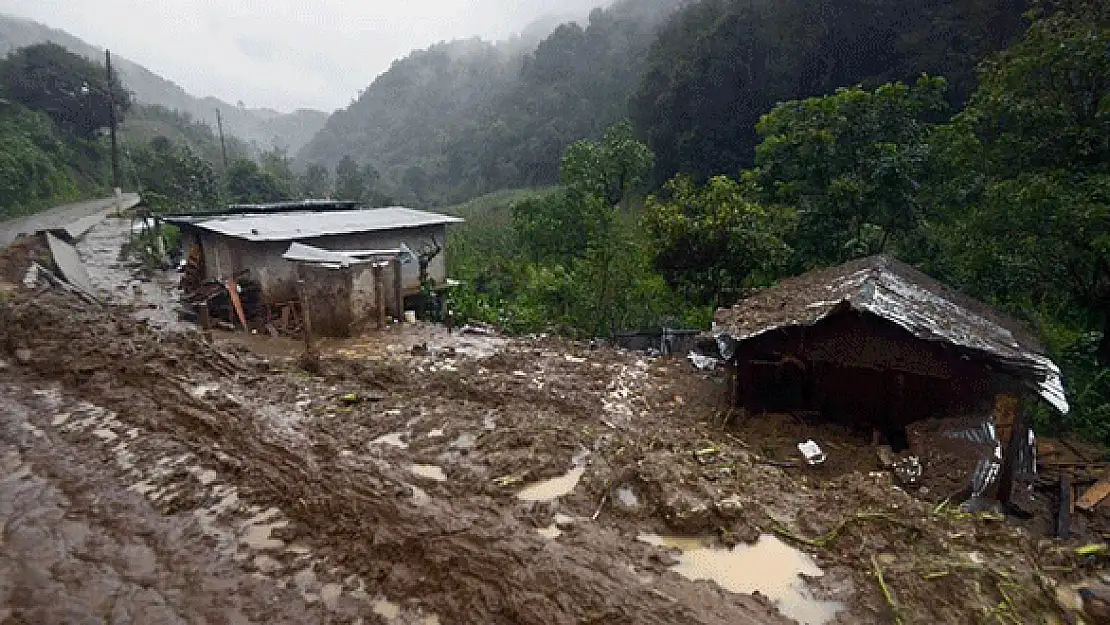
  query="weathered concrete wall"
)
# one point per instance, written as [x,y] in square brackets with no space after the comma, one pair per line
[328,292]
[226,256]
[415,238]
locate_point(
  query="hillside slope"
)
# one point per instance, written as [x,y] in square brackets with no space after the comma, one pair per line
[466,117]
[262,128]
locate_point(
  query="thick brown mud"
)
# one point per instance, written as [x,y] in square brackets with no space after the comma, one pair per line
[415,485]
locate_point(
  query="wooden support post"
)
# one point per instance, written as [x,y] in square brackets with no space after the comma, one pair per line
[730,384]
[205,320]
[1019,438]
[398,290]
[1063,514]
[309,342]
[379,295]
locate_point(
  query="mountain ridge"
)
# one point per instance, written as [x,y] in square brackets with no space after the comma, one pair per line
[262,128]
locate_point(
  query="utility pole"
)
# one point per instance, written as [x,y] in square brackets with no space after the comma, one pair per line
[112,130]
[223,146]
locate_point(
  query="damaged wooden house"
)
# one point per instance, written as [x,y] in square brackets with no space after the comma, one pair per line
[351,266]
[883,348]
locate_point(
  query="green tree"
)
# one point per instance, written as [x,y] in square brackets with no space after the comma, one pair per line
[277,164]
[544,224]
[316,182]
[72,90]
[174,179]
[249,184]
[608,170]
[851,163]
[600,177]
[349,182]
[1024,212]
[34,162]
[716,240]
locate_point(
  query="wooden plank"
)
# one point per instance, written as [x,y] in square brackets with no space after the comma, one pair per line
[1063,514]
[1095,494]
[233,293]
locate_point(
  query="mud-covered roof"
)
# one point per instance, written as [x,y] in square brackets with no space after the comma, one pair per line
[902,295]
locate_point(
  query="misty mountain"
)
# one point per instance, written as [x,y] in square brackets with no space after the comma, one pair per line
[261,128]
[465,117]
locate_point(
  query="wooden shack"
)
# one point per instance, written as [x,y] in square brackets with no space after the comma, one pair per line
[877,344]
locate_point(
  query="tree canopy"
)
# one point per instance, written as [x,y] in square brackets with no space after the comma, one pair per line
[72,90]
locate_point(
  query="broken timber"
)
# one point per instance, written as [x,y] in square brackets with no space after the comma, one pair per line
[1095,494]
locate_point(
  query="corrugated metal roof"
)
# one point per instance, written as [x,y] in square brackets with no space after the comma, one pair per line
[299,252]
[310,224]
[904,296]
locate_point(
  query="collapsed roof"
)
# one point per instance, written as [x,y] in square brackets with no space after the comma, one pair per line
[904,296]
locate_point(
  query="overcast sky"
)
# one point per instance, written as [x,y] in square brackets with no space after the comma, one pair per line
[283,54]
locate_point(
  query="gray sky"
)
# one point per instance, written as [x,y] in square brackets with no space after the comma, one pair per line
[283,54]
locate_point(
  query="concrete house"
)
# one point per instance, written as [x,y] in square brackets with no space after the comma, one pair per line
[344,256]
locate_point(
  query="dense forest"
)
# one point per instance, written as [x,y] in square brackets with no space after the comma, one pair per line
[468,117]
[465,118]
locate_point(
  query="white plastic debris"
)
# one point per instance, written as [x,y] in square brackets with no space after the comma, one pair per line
[908,470]
[812,452]
[705,363]
[31,278]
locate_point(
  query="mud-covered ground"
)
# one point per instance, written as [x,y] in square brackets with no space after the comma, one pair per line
[151,477]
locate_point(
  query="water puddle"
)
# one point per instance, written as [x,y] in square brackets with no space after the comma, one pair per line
[393,439]
[464,441]
[386,609]
[429,471]
[556,487]
[627,497]
[769,566]
[551,531]
[436,433]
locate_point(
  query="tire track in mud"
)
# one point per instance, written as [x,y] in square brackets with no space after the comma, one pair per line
[76,547]
[466,560]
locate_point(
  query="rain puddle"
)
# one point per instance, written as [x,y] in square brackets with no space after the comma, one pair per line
[429,471]
[769,566]
[464,441]
[556,487]
[393,439]
[627,497]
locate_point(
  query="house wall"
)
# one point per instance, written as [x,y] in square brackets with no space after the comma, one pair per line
[415,238]
[364,289]
[328,294]
[861,369]
[226,256]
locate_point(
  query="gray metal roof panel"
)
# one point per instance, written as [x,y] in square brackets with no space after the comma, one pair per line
[310,224]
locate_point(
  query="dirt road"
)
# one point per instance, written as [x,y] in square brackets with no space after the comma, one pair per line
[58,217]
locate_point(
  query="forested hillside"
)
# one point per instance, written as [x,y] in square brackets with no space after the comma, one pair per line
[467,117]
[720,64]
[261,128]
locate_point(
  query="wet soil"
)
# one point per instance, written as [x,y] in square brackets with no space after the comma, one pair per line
[386,487]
